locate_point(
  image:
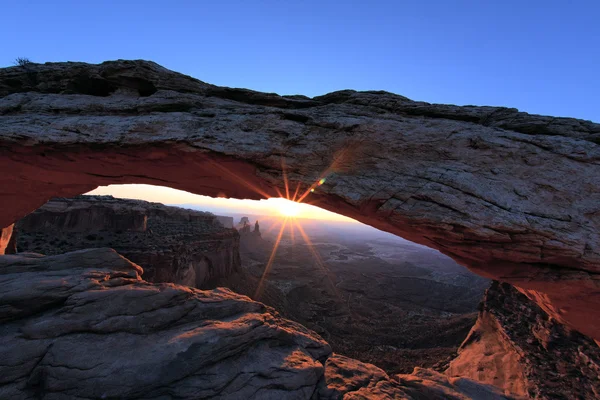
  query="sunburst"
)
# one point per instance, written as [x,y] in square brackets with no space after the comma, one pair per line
[289,207]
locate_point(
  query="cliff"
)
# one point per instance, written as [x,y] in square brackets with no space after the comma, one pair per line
[171,244]
[85,325]
[517,346]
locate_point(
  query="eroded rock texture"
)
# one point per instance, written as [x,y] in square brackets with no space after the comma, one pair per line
[171,244]
[516,346]
[348,379]
[84,325]
[514,197]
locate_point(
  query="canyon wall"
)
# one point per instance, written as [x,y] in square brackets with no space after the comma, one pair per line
[171,244]
[512,196]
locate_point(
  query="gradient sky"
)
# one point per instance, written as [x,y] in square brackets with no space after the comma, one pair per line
[539,56]
[276,207]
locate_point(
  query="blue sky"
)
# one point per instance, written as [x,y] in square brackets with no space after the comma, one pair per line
[539,56]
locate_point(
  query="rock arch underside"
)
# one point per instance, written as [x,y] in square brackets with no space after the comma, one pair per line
[512,196]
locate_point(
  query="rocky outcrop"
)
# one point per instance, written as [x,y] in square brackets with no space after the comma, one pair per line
[172,244]
[86,214]
[85,325]
[516,346]
[510,195]
[350,379]
[7,240]
[245,230]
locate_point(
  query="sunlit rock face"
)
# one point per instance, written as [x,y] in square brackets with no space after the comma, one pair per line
[171,244]
[85,325]
[516,346]
[7,240]
[346,378]
[512,196]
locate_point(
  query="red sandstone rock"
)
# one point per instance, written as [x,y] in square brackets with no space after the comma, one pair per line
[6,240]
[516,346]
[510,195]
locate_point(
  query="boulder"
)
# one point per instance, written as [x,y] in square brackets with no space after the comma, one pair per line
[84,325]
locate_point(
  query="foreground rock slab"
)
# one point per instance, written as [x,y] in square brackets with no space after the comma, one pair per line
[512,196]
[84,325]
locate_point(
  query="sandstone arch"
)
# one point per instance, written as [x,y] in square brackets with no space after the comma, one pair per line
[512,196]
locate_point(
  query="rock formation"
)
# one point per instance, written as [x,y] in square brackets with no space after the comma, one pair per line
[516,346]
[227,222]
[256,230]
[7,240]
[510,195]
[85,325]
[172,244]
[350,379]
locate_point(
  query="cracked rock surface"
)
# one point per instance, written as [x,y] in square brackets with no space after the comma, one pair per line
[514,197]
[84,325]
[516,346]
[350,379]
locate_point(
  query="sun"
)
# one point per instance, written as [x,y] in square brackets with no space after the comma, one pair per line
[287,208]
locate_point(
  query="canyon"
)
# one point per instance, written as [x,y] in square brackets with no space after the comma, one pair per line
[393,304]
[513,197]
[172,244]
[372,297]
[514,347]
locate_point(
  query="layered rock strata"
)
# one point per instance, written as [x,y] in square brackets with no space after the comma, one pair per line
[512,196]
[172,244]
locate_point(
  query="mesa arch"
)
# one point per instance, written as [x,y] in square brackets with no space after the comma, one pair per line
[512,196]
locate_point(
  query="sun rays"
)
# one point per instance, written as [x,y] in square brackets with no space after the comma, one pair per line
[289,208]
[258,291]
